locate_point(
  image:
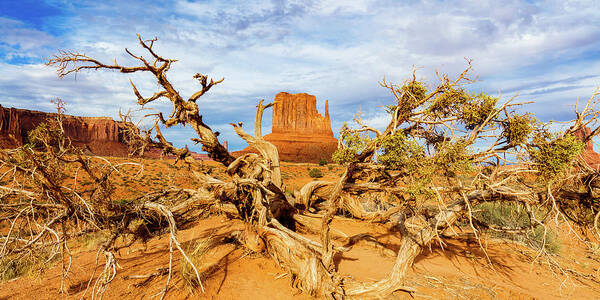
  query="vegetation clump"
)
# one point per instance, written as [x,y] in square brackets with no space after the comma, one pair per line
[399,153]
[315,173]
[515,220]
[478,109]
[197,251]
[517,129]
[553,154]
[353,143]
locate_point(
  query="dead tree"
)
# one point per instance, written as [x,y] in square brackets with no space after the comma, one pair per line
[444,151]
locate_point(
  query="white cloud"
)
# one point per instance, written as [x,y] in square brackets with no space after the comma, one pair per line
[337,50]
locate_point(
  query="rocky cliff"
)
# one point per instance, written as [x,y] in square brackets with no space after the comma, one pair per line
[297,114]
[588,154]
[299,131]
[101,135]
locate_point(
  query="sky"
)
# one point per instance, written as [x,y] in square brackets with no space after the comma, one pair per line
[542,51]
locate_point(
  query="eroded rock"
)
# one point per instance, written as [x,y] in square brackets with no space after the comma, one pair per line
[299,131]
[588,154]
[101,135]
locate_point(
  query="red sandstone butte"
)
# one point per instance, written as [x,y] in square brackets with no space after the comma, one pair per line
[588,154]
[299,132]
[101,135]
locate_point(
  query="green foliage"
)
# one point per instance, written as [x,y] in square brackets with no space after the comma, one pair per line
[449,102]
[45,135]
[475,112]
[502,214]
[514,215]
[323,162]
[315,173]
[420,188]
[517,129]
[551,243]
[353,143]
[123,201]
[435,139]
[554,154]
[400,153]
[413,93]
[28,265]
[344,156]
[453,158]
[471,109]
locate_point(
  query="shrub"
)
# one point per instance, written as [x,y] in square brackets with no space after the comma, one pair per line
[352,144]
[516,129]
[400,153]
[10,269]
[453,158]
[322,162]
[315,173]
[476,111]
[13,267]
[512,215]
[553,154]
[45,135]
[92,240]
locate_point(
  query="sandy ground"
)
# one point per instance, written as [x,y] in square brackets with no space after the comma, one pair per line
[461,270]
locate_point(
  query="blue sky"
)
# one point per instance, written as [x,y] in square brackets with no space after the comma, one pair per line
[546,51]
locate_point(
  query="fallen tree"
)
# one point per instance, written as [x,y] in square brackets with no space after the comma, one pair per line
[444,151]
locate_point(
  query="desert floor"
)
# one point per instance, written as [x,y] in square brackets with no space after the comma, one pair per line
[460,270]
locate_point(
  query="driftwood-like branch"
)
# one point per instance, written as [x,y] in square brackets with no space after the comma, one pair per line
[184,112]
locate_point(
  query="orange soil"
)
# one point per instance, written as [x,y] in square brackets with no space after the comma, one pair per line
[461,270]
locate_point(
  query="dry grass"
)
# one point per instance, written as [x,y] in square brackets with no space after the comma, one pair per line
[197,250]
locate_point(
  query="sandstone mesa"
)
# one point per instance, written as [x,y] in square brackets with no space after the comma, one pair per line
[101,135]
[299,131]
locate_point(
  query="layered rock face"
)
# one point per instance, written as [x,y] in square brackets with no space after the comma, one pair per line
[297,114]
[300,132]
[588,154]
[101,135]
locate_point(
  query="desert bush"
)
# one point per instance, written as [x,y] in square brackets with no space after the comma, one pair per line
[397,152]
[322,162]
[92,240]
[511,215]
[315,173]
[29,265]
[554,154]
[13,268]
[517,129]
[548,238]
[45,135]
[514,215]
[353,143]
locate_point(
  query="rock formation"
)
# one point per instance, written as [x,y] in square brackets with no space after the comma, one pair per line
[588,154]
[101,135]
[299,132]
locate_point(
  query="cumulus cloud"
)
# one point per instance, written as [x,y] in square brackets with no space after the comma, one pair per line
[336,50]
[18,42]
